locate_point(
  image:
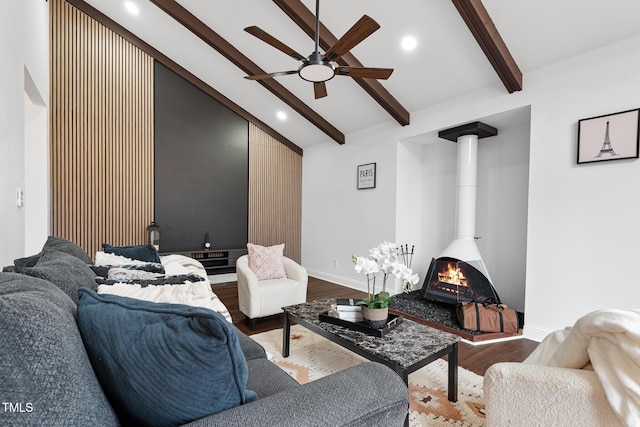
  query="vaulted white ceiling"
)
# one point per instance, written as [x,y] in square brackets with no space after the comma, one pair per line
[447,62]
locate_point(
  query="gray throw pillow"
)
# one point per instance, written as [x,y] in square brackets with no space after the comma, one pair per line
[55,243]
[63,270]
[44,363]
[29,261]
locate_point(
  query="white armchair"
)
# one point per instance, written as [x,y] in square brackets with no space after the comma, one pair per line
[267,297]
[585,375]
[521,394]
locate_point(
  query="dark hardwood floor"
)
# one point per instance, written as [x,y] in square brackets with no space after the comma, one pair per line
[474,358]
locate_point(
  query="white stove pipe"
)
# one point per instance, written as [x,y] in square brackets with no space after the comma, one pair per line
[464,246]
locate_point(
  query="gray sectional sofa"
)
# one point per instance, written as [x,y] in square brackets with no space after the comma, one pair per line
[48,378]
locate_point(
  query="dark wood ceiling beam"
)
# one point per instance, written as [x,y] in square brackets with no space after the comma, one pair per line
[213,39]
[305,19]
[485,32]
[92,12]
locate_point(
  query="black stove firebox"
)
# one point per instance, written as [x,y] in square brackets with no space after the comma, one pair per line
[450,280]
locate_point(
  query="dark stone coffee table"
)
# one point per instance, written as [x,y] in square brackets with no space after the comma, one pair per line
[406,349]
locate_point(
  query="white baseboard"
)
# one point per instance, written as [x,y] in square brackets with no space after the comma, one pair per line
[223,278]
[393,286]
[535,333]
[339,280]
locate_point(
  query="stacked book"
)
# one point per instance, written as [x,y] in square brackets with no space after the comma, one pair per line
[346,309]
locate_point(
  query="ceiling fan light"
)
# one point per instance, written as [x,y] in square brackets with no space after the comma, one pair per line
[316,72]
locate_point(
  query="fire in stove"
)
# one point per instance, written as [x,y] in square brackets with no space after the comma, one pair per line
[451,281]
[452,275]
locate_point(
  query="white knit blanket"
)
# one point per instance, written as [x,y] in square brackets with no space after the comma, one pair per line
[195,294]
[610,340]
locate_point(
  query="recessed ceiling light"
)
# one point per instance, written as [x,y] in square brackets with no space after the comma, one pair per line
[281,115]
[131,7]
[409,43]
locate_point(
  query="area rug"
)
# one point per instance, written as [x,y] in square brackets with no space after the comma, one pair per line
[312,357]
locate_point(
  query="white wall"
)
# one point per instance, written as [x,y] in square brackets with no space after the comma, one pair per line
[503,182]
[410,206]
[24,45]
[36,185]
[582,227]
[583,219]
[338,220]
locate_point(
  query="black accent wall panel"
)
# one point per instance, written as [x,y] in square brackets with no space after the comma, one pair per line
[201,167]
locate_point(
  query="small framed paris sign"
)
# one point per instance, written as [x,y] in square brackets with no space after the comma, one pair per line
[367,176]
[610,137]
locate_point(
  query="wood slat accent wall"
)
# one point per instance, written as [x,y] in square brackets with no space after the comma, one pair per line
[275,193]
[101,149]
[101,132]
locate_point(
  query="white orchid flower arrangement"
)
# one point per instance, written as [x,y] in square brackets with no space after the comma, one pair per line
[389,259]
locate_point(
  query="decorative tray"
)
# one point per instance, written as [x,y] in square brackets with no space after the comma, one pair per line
[393,320]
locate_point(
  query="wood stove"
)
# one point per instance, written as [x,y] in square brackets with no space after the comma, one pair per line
[459,273]
[450,280]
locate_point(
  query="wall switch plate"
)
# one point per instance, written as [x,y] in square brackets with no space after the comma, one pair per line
[335,262]
[20,197]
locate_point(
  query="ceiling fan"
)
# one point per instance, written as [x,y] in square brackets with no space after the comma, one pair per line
[317,67]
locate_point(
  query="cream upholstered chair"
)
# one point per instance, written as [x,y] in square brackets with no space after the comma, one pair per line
[520,394]
[585,375]
[261,298]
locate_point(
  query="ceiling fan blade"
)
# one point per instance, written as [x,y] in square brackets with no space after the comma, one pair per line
[367,73]
[319,89]
[270,75]
[360,31]
[268,38]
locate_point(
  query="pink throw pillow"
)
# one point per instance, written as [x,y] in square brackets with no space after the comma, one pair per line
[267,262]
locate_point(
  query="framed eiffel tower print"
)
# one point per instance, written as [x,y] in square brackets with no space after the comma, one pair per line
[609,137]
